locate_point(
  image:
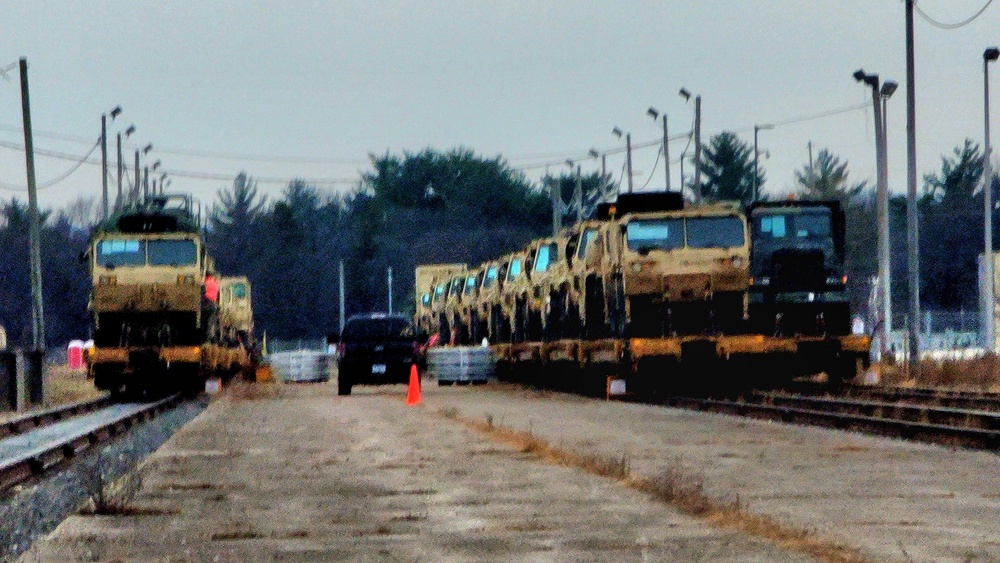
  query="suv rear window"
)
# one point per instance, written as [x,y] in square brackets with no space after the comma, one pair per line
[361,329]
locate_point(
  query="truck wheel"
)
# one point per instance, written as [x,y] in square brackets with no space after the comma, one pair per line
[343,386]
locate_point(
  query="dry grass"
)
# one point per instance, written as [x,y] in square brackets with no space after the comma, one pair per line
[677,487]
[976,374]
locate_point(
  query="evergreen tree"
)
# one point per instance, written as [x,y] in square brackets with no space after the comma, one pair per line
[727,169]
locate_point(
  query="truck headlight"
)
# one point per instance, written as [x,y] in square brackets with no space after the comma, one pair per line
[107,280]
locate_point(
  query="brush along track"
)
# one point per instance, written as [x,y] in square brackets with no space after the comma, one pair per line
[31,421]
[34,452]
[941,425]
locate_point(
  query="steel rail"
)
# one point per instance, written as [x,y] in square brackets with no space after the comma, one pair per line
[949,416]
[30,421]
[956,399]
[978,438]
[46,454]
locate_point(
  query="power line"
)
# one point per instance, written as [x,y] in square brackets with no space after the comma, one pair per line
[57,179]
[180,173]
[942,25]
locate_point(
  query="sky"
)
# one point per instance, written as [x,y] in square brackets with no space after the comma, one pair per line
[310,90]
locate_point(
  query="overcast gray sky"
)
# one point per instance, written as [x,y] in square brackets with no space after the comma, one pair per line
[309,89]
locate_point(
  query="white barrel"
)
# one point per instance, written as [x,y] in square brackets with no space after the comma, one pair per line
[300,365]
[460,364]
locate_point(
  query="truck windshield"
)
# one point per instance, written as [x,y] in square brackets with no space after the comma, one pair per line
[515,269]
[470,285]
[172,252]
[585,239]
[714,232]
[795,225]
[655,234]
[239,290]
[114,253]
[491,277]
[547,253]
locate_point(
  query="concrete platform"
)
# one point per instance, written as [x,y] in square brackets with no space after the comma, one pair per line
[296,473]
[896,500]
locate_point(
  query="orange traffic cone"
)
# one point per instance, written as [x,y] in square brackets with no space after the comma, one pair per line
[413,392]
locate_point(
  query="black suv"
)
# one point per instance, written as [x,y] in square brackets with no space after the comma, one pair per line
[375,349]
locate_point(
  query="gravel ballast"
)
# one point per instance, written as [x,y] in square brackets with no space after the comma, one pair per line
[32,510]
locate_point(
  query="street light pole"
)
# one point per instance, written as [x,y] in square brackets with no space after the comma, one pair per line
[989,328]
[666,148]
[697,145]
[628,154]
[912,225]
[104,158]
[756,157]
[882,210]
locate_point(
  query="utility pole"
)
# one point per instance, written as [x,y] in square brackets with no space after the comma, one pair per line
[989,299]
[34,372]
[390,290]
[628,159]
[666,154]
[912,226]
[697,149]
[134,196]
[555,188]
[605,185]
[104,166]
[145,183]
[579,195]
[810,145]
[121,172]
[340,268]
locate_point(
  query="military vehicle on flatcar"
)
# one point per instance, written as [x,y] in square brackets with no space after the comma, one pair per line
[151,322]
[797,267]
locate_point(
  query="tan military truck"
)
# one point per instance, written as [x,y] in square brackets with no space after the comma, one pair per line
[514,296]
[545,308]
[426,279]
[565,281]
[235,312]
[669,272]
[489,303]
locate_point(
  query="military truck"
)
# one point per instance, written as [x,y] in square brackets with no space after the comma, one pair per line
[797,266]
[235,311]
[670,271]
[151,326]
[426,278]
[514,296]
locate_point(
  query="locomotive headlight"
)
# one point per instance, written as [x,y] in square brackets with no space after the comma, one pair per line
[737,262]
[107,280]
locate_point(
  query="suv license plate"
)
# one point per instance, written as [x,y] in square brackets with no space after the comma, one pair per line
[378,368]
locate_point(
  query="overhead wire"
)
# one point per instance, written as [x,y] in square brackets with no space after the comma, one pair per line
[48,184]
[943,25]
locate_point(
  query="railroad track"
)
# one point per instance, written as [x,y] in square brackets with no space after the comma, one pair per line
[34,451]
[955,426]
[957,399]
[38,419]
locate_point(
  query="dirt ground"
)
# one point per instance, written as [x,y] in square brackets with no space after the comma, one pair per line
[296,473]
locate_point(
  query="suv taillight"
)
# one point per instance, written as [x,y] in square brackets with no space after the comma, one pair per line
[341,349]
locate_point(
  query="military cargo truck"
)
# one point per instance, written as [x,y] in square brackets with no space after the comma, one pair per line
[426,278]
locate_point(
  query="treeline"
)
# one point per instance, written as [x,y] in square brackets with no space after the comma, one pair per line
[430,207]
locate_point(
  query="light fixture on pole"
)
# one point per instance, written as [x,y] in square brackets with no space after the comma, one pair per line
[756,158]
[697,141]
[882,211]
[988,298]
[666,148]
